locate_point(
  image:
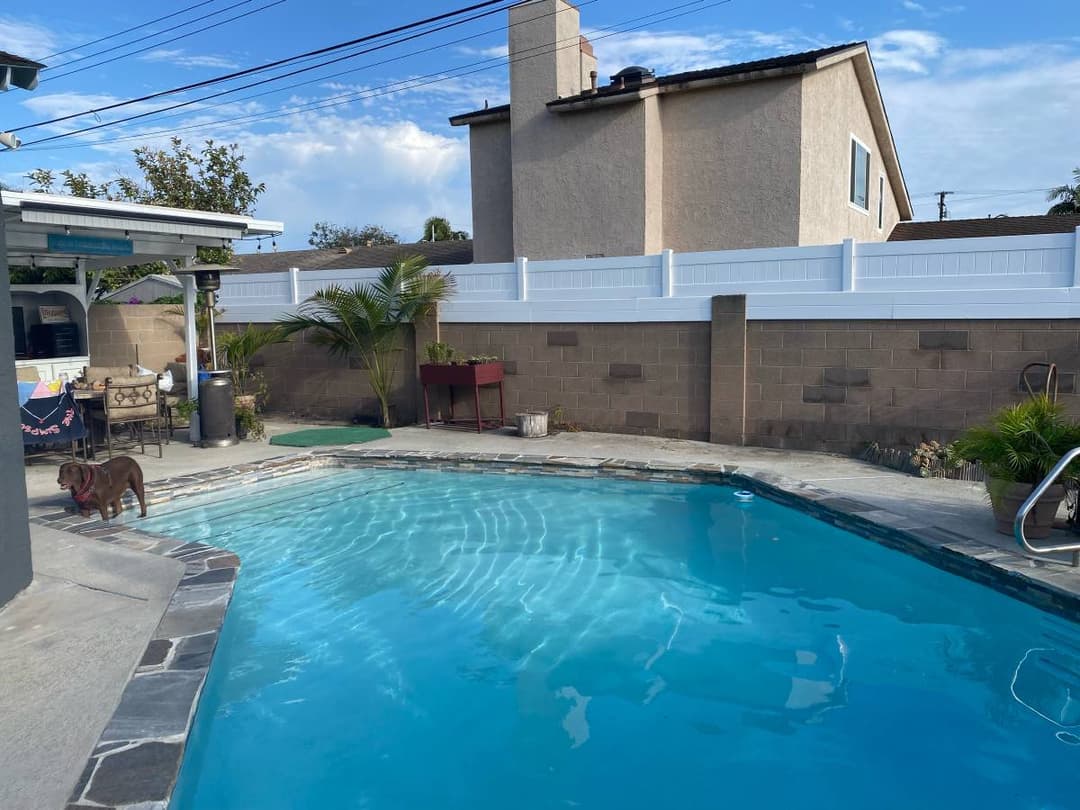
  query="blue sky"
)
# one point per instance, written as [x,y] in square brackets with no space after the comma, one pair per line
[984,98]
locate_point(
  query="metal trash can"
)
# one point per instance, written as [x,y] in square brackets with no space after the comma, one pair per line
[217,419]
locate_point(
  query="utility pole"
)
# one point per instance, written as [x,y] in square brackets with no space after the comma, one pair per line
[942,211]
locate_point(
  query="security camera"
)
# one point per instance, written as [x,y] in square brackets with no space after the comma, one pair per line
[9,140]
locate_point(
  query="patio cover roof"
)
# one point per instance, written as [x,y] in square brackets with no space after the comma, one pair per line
[56,230]
[88,235]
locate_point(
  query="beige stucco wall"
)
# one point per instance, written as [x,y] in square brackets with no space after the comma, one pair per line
[731,166]
[492,194]
[833,111]
[653,158]
[578,178]
[579,184]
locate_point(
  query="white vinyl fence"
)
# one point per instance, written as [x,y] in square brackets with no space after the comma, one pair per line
[993,277]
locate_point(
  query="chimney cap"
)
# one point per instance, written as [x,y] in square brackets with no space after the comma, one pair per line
[635,74]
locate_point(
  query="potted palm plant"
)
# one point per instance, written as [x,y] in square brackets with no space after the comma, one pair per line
[1017,449]
[365,321]
[236,350]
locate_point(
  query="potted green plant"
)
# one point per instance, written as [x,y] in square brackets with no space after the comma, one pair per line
[186,407]
[236,351]
[249,425]
[1017,449]
[439,354]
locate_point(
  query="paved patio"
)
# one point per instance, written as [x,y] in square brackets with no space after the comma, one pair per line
[69,644]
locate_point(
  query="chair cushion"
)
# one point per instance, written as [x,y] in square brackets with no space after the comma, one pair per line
[98,374]
[179,375]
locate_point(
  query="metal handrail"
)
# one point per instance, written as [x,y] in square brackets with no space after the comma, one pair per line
[1033,498]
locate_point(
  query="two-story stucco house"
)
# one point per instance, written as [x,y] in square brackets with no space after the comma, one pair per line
[786,151]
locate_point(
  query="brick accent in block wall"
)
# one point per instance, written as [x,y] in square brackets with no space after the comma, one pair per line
[116,329]
[836,385]
[641,378]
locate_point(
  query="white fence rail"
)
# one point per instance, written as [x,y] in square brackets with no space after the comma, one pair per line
[993,277]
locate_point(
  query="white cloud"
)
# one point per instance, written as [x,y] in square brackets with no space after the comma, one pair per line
[27,39]
[494,52]
[906,50]
[358,171]
[179,58]
[1013,128]
[930,13]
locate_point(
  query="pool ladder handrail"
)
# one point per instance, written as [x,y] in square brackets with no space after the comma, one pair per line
[1029,504]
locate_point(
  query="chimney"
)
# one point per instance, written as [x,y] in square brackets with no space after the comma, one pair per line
[541,70]
[592,81]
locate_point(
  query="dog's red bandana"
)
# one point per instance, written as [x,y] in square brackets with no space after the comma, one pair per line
[83,495]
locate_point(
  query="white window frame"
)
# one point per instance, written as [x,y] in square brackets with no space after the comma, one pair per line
[881,202]
[851,174]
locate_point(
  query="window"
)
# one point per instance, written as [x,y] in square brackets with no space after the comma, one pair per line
[881,201]
[860,176]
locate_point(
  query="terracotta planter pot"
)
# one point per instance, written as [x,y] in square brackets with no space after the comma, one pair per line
[1010,497]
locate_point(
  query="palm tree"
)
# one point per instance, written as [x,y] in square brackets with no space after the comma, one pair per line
[438,229]
[1069,197]
[365,320]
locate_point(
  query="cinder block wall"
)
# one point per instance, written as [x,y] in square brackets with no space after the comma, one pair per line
[116,329]
[808,385]
[303,380]
[643,378]
[836,385]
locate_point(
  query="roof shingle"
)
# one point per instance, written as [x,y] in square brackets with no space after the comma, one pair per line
[452,251]
[989,226]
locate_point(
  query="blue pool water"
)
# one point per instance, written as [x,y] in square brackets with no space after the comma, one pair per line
[415,639]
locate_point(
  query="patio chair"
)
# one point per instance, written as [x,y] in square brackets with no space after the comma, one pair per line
[170,399]
[27,374]
[132,402]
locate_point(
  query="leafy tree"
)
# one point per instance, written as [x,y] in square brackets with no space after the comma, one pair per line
[366,320]
[1068,197]
[437,229]
[326,235]
[212,179]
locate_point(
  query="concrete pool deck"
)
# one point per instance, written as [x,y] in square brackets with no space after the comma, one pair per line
[65,693]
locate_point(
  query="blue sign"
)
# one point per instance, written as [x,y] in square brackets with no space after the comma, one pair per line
[90,245]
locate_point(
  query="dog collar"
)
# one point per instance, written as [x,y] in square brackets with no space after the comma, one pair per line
[84,493]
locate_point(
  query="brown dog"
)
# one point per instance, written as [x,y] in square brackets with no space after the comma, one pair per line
[99,486]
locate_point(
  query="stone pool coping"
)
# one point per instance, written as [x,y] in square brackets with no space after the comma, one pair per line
[135,764]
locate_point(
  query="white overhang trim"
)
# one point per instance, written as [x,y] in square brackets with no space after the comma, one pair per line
[37,206]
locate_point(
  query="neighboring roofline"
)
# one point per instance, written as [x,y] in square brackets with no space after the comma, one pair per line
[773,67]
[969,227]
[111,209]
[170,280]
[487,115]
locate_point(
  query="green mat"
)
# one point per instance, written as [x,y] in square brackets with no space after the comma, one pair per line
[317,437]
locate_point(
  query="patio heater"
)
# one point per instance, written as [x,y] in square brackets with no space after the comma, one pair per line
[217,416]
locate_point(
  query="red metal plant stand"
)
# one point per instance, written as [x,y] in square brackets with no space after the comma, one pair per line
[474,376]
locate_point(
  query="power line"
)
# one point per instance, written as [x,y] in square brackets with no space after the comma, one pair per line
[174,39]
[143,38]
[259,68]
[128,30]
[404,85]
[156,113]
[190,102]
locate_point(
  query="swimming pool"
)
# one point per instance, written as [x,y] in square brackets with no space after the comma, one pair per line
[426,639]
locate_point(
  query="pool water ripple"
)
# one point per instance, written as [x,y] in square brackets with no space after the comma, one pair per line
[425,639]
